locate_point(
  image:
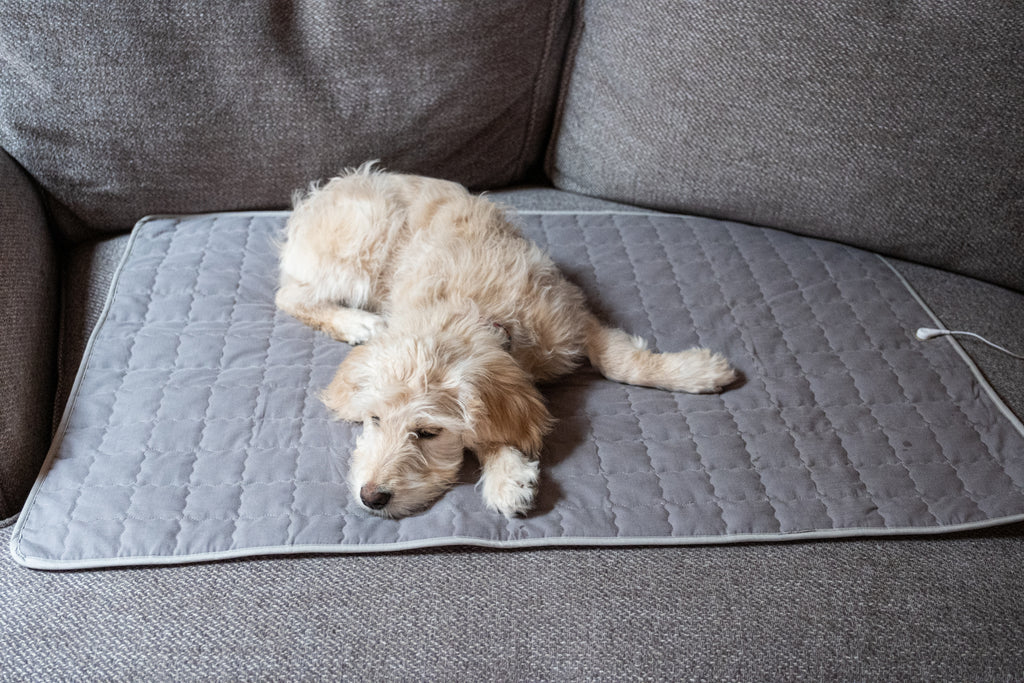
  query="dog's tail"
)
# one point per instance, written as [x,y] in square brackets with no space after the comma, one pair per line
[625,358]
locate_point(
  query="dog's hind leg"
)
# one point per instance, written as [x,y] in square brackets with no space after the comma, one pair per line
[624,358]
[351,325]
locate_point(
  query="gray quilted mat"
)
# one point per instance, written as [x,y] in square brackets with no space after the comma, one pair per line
[194,431]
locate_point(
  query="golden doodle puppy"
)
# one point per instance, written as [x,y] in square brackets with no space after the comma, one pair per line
[457,317]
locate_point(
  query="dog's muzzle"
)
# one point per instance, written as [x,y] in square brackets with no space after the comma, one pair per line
[374,497]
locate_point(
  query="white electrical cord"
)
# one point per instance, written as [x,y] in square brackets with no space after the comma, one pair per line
[924,333]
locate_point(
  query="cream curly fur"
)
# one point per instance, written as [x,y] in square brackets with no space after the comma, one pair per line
[458,316]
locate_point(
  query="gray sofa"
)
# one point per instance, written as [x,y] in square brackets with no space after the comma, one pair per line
[896,128]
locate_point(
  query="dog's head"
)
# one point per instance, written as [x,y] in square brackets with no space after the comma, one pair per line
[423,401]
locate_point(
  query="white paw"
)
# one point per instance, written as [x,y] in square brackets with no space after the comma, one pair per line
[356,326]
[510,482]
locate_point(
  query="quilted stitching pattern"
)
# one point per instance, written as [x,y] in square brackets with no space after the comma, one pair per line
[196,431]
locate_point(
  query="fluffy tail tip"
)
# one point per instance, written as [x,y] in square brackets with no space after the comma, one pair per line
[710,374]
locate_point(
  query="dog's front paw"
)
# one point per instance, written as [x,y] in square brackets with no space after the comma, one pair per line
[356,326]
[510,482]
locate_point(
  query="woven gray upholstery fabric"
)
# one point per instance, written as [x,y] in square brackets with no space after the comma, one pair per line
[947,609]
[195,432]
[88,270]
[899,128]
[127,108]
[28,343]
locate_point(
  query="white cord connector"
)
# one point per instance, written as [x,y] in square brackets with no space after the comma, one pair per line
[925,333]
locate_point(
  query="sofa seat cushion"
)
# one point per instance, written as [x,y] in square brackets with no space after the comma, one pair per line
[194,430]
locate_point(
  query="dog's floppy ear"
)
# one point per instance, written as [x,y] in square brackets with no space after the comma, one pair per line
[353,375]
[504,408]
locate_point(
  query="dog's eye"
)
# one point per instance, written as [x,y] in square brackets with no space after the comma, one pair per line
[427,432]
[375,420]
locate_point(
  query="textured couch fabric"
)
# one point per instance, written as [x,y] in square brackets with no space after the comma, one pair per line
[899,128]
[87,272]
[896,610]
[124,109]
[28,338]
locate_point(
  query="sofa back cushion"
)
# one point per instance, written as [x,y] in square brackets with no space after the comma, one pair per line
[126,108]
[894,126]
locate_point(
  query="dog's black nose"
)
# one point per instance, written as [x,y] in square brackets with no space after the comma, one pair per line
[374,497]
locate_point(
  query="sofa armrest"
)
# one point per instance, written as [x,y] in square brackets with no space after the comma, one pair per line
[29,305]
